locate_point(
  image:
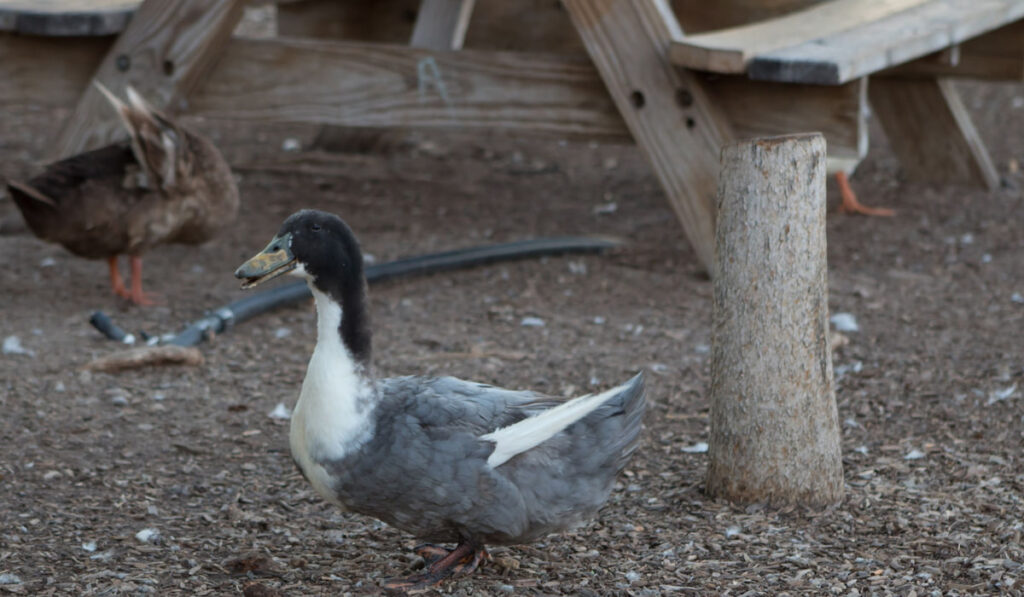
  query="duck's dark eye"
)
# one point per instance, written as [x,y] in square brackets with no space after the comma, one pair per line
[315,227]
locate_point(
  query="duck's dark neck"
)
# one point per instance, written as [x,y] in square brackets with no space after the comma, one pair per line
[352,322]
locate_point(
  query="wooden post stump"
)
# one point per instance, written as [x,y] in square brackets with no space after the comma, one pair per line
[774,425]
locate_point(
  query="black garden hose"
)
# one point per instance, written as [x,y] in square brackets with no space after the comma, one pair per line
[222,318]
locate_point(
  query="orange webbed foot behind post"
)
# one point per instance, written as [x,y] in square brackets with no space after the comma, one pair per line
[851,205]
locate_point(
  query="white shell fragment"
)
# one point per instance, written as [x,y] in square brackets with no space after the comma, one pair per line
[845,322]
[280,412]
[914,454]
[1000,395]
[697,448]
[12,345]
[532,322]
[147,535]
[854,367]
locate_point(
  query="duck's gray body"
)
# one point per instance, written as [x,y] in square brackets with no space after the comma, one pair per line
[424,469]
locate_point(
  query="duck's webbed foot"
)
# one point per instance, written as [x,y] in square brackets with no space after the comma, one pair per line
[441,565]
[116,281]
[850,204]
[431,552]
[137,296]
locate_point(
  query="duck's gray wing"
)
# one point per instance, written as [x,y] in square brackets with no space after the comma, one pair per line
[425,468]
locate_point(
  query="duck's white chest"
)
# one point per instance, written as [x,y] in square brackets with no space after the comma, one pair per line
[332,418]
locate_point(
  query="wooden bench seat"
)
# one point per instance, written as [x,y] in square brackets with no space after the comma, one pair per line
[834,42]
[65,18]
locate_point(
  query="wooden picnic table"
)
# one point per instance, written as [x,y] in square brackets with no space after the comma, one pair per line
[591,68]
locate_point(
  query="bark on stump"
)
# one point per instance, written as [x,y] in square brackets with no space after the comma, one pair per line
[774,425]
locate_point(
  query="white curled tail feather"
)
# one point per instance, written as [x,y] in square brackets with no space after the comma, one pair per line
[533,431]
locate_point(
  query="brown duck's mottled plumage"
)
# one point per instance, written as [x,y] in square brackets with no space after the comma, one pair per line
[165,185]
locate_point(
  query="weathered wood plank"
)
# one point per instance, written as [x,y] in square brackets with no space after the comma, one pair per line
[48,72]
[902,37]
[523,25]
[382,21]
[997,55]
[931,132]
[167,48]
[376,85]
[845,130]
[668,111]
[554,94]
[389,21]
[761,108]
[730,51]
[701,16]
[66,17]
[442,24]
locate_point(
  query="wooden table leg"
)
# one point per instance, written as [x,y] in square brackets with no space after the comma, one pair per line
[931,132]
[442,24]
[166,50]
[666,109]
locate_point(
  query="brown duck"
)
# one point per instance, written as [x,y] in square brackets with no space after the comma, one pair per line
[166,184]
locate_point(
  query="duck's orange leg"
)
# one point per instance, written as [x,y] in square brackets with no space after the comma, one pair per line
[137,296]
[116,283]
[851,205]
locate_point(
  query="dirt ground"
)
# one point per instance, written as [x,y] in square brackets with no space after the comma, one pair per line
[176,481]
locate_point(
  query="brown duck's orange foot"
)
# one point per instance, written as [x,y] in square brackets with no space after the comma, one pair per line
[851,205]
[137,296]
[116,283]
[442,564]
[145,299]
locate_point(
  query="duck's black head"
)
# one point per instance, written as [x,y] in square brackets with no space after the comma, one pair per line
[314,243]
[320,247]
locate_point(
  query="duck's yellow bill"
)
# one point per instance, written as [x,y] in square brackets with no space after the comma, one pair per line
[271,262]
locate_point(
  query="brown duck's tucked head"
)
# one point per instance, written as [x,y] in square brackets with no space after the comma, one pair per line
[173,159]
[315,245]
